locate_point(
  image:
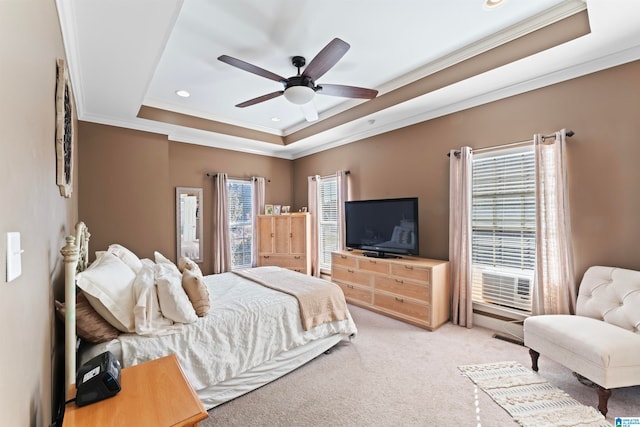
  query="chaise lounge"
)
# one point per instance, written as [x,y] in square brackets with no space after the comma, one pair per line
[602,341]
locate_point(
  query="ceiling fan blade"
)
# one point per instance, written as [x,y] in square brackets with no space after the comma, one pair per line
[260,99]
[347,91]
[251,68]
[310,111]
[326,58]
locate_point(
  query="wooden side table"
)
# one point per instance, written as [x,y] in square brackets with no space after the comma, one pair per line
[153,394]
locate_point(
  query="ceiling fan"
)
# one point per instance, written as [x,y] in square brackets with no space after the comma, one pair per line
[301,88]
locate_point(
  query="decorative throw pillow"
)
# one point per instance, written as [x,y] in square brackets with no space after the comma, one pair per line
[90,326]
[126,256]
[174,302]
[197,292]
[189,264]
[107,284]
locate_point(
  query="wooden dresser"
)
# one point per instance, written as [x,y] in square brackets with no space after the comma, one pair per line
[154,394]
[284,240]
[412,289]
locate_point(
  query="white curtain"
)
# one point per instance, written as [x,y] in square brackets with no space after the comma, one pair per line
[221,239]
[313,189]
[554,289]
[343,196]
[258,208]
[460,166]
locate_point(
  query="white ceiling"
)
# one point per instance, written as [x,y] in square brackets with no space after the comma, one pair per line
[123,54]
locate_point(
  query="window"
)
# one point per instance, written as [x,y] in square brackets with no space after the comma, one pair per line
[240,194]
[327,220]
[503,223]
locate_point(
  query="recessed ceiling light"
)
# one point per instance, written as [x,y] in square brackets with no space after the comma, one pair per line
[275,119]
[492,4]
[183,93]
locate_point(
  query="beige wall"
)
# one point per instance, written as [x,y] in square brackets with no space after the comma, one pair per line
[602,108]
[128,181]
[125,172]
[30,43]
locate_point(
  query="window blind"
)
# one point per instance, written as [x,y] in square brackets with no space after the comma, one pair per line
[240,221]
[327,220]
[503,222]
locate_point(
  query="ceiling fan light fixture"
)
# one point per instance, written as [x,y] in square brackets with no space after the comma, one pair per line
[299,95]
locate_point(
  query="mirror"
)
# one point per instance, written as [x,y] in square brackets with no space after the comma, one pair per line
[189,223]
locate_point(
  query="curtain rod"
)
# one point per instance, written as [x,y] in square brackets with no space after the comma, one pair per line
[569,134]
[212,174]
[345,172]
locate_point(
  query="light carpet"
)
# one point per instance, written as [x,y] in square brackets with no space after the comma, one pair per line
[397,375]
[529,398]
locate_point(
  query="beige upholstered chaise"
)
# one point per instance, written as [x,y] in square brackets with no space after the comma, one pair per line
[602,341]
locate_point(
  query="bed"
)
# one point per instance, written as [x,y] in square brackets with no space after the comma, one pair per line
[258,324]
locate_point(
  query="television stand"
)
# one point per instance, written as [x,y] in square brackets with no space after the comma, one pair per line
[380,255]
[412,289]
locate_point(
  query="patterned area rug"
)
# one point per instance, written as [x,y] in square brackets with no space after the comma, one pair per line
[529,398]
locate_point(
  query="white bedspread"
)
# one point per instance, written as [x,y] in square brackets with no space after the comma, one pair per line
[247,325]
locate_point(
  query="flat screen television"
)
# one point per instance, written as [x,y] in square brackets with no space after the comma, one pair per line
[382,228]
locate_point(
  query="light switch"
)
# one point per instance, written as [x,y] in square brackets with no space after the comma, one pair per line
[14,256]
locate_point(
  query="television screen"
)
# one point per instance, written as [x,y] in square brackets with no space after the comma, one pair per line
[388,226]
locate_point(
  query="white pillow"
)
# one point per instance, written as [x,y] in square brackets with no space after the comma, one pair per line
[147,315]
[161,259]
[174,302]
[108,285]
[126,256]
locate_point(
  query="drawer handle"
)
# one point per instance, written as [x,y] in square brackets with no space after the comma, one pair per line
[399,299]
[399,281]
[265,256]
[297,257]
[349,270]
[408,267]
[350,286]
[271,234]
[372,261]
[343,256]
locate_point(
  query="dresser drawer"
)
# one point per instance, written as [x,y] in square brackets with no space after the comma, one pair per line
[343,260]
[407,271]
[293,262]
[356,293]
[373,265]
[349,275]
[404,287]
[404,307]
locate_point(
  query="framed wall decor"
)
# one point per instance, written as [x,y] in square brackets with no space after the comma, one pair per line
[268,209]
[65,112]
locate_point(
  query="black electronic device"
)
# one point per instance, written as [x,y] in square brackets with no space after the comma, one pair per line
[384,228]
[98,379]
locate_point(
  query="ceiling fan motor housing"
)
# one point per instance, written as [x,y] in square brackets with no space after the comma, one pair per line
[300,81]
